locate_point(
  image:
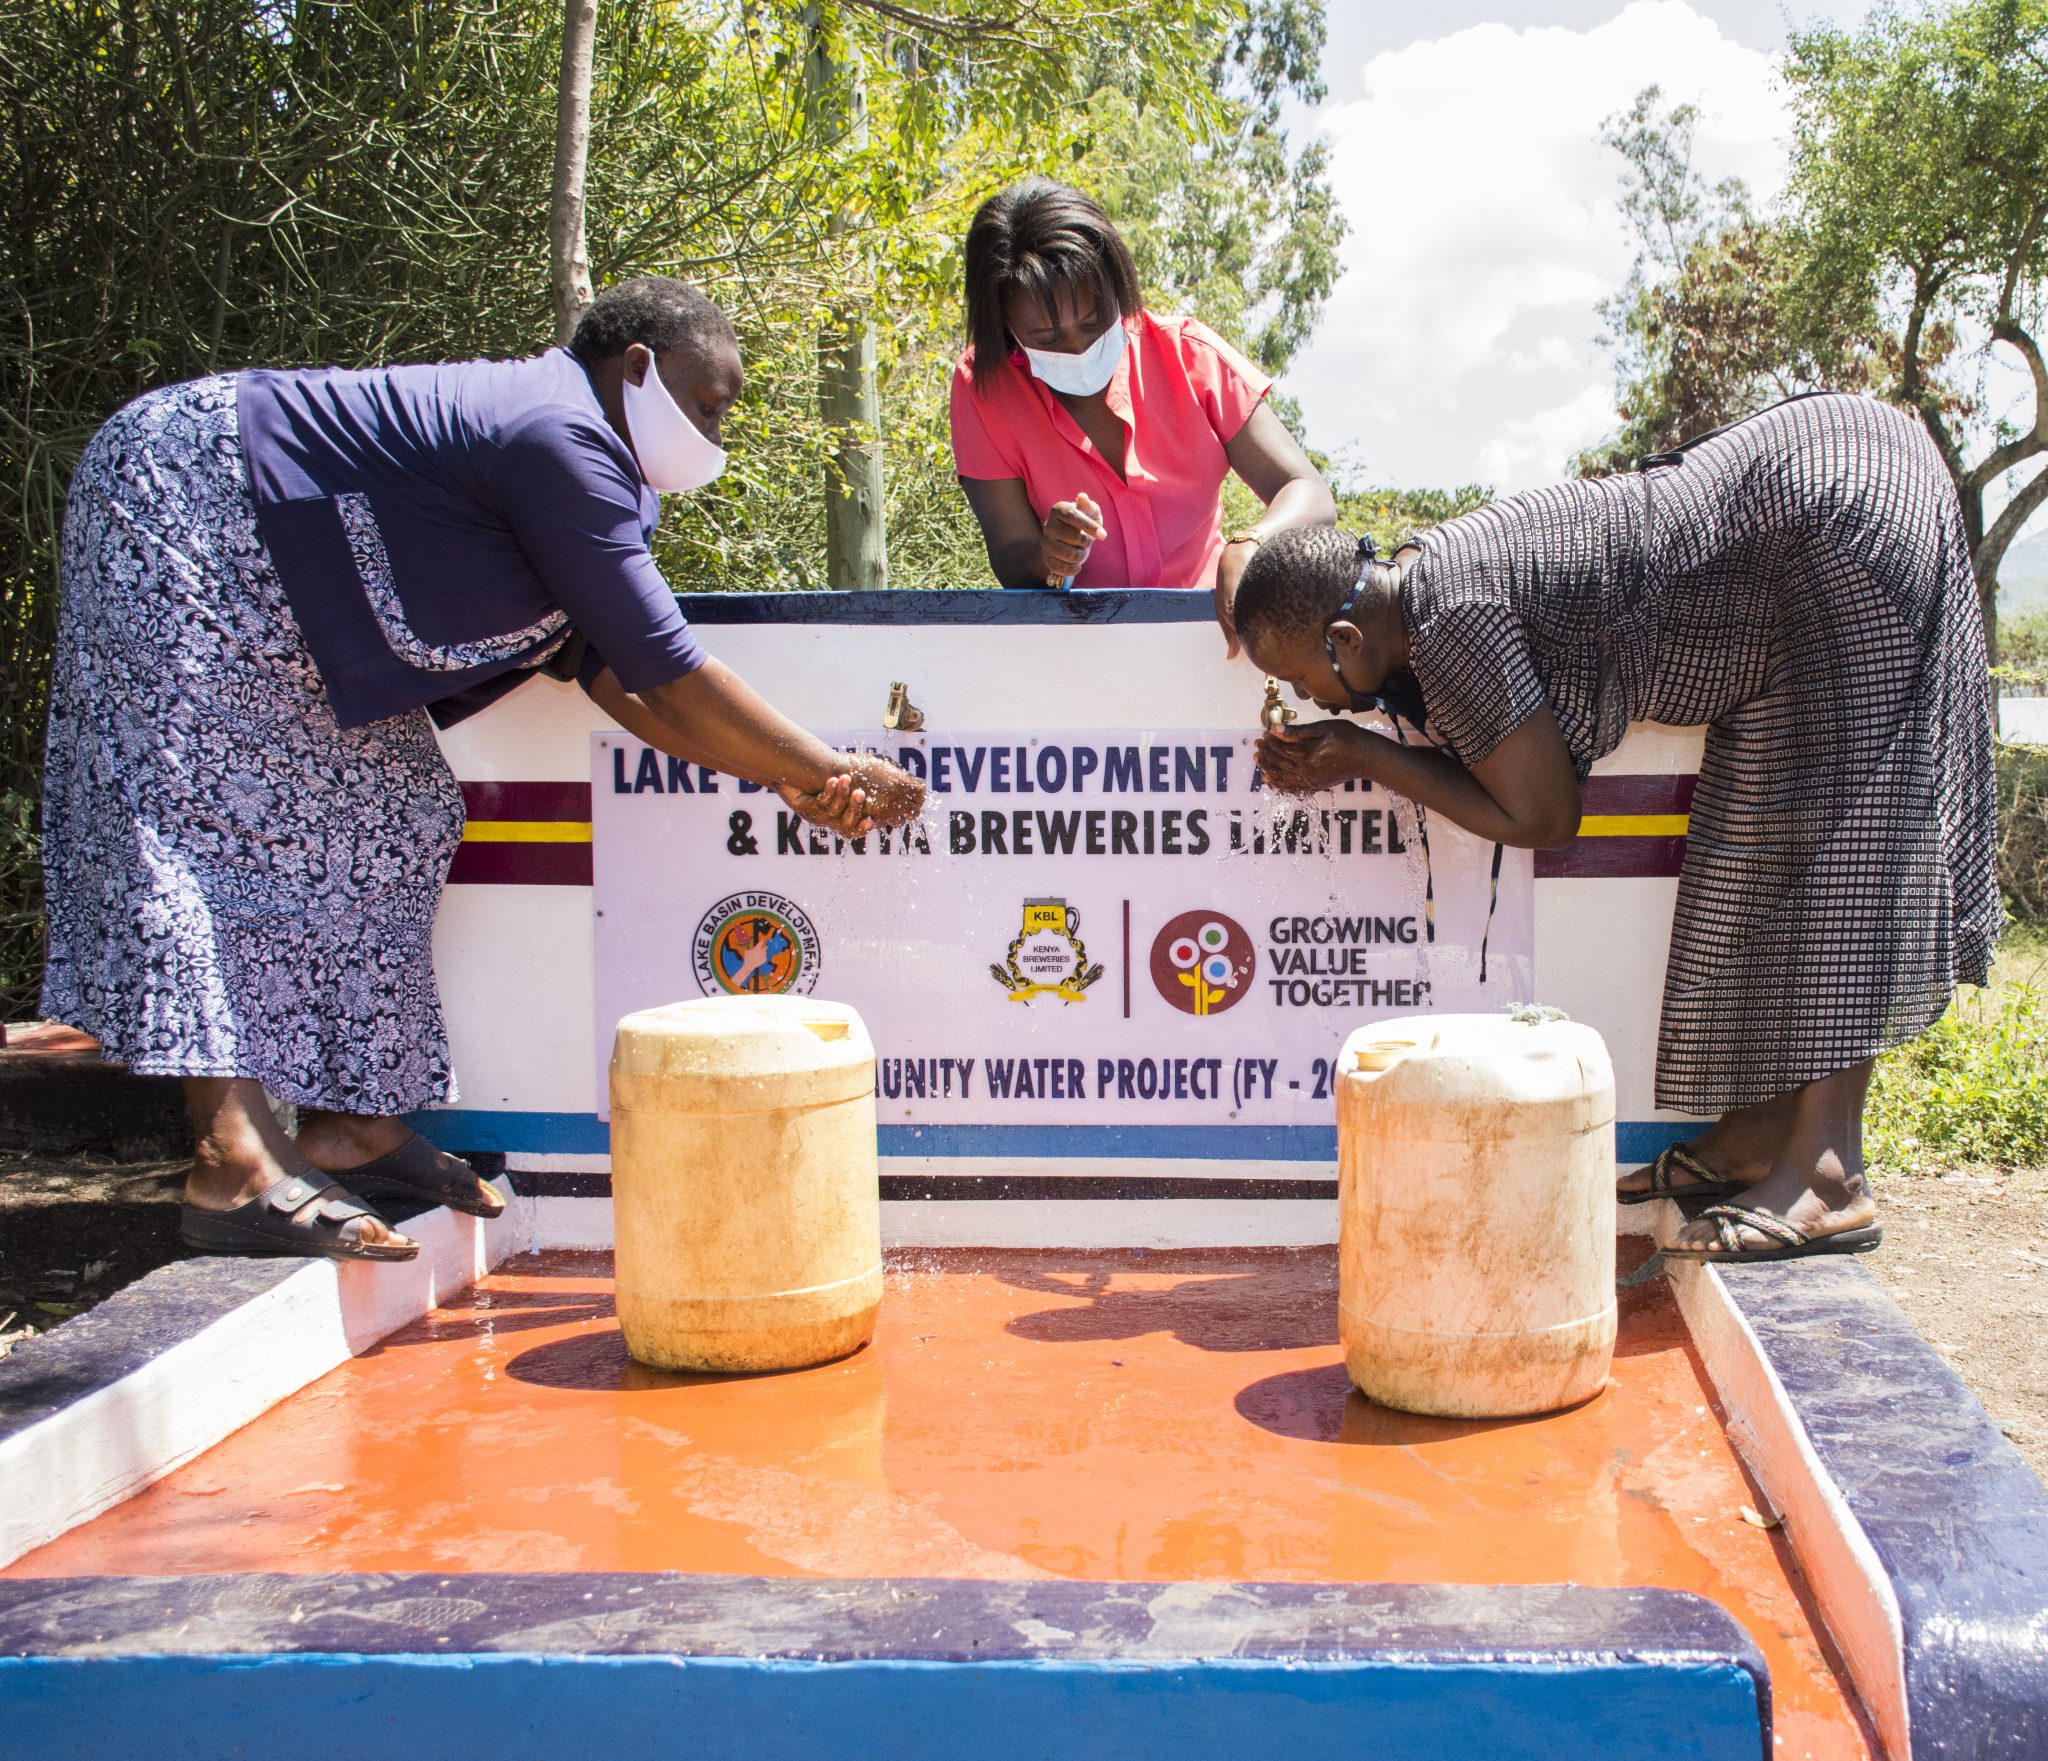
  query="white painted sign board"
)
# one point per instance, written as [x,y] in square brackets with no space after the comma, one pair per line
[1085,930]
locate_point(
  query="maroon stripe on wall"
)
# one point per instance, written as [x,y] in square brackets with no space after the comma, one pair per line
[1643,794]
[527,800]
[1611,859]
[521,865]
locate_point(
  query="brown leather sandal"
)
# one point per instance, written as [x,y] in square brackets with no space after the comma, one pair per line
[417,1170]
[295,1217]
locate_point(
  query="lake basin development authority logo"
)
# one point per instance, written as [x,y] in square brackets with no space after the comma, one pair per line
[755,945]
[1202,962]
[1047,958]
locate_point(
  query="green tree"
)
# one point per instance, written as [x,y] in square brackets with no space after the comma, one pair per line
[1712,323]
[1921,188]
[1913,244]
[1233,225]
[1393,515]
[1225,219]
[222,183]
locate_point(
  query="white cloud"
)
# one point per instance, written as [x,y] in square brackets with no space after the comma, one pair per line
[1459,345]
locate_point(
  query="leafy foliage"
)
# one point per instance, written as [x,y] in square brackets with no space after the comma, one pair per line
[1233,227]
[1921,188]
[2023,643]
[1391,515]
[1713,323]
[1914,241]
[1973,1089]
[223,183]
[2023,829]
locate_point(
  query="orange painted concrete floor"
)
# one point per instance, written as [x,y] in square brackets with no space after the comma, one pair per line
[1084,1415]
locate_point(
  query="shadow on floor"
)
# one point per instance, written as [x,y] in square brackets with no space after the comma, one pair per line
[1265,1301]
[1321,1406]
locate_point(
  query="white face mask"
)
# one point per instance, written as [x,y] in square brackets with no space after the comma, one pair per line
[673,455]
[1085,374]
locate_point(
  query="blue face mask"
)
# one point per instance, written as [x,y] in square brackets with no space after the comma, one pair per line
[1085,374]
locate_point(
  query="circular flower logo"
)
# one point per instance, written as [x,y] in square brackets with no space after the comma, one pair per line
[1202,962]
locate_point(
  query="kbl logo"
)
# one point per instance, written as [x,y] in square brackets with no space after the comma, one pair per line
[1202,962]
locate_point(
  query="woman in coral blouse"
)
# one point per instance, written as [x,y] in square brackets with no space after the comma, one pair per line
[1092,436]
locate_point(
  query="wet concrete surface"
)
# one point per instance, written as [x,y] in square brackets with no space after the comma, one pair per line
[1110,1416]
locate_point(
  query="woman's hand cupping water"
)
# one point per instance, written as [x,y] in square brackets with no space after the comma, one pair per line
[869,792]
[1314,756]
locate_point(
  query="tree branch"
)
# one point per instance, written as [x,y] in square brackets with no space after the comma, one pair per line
[2017,262]
[966,29]
[1991,549]
[1913,387]
[569,254]
[2035,440]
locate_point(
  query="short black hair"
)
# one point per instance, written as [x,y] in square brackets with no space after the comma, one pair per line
[657,311]
[1296,581]
[1040,238]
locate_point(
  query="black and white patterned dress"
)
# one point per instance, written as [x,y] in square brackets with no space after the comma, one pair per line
[1801,585]
[237,885]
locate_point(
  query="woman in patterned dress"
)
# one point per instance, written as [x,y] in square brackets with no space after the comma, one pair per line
[270,580]
[1800,584]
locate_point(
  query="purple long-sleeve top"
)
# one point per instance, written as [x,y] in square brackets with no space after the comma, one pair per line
[438,528]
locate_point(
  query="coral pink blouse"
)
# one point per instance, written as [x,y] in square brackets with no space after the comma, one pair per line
[1183,393]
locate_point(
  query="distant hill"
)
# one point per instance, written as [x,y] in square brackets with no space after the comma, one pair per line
[2023,578]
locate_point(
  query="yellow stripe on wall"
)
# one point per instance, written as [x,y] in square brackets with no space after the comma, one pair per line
[1634,825]
[526,831]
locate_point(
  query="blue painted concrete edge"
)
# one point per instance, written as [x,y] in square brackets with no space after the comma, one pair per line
[1958,1521]
[584,1134]
[349,1708]
[496,1665]
[1109,605]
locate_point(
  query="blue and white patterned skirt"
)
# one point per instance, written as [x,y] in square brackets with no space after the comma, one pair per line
[237,885]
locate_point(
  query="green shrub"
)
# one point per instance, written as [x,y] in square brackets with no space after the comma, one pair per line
[2023,829]
[2023,642]
[21,917]
[1971,1090]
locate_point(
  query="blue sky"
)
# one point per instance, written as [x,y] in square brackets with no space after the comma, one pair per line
[1461,344]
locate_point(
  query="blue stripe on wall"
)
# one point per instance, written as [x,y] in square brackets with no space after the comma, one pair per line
[584,1134]
[495,1707]
[1643,1140]
[1214,1143]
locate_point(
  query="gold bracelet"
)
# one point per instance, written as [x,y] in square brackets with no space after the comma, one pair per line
[1245,535]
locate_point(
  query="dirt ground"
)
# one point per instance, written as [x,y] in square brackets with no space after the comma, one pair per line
[75,1229]
[1966,1256]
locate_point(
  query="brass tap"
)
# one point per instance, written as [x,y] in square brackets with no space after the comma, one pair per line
[901,715]
[1274,714]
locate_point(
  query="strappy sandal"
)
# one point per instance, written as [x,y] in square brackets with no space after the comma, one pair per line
[297,1217]
[1793,1243]
[1701,1181]
[417,1170]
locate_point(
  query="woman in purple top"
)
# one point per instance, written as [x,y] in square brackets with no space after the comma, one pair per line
[271,583]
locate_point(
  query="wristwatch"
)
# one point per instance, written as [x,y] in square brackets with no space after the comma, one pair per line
[1245,535]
